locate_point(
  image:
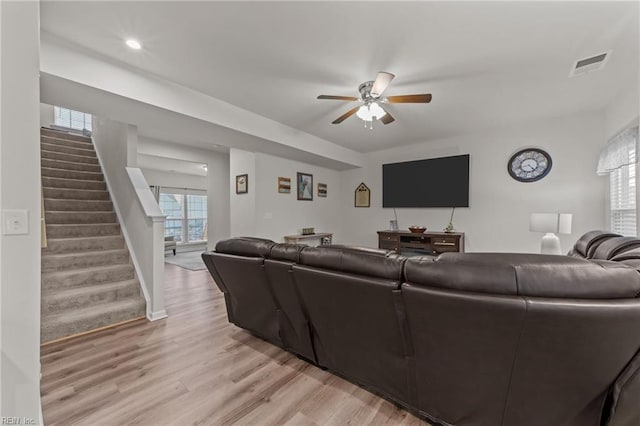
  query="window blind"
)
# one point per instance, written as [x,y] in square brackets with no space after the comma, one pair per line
[623,197]
[72,119]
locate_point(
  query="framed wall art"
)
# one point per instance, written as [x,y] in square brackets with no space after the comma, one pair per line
[242,184]
[284,185]
[322,190]
[305,186]
[362,196]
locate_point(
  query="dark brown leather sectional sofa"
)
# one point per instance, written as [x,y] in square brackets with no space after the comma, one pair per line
[465,339]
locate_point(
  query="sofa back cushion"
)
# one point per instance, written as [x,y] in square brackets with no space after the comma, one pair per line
[286,252]
[586,245]
[611,247]
[353,261]
[527,275]
[245,246]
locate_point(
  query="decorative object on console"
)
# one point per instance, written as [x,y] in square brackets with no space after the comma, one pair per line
[450,227]
[322,190]
[550,224]
[362,197]
[529,165]
[242,184]
[305,186]
[417,229]
[393,224]
[308,231]
[284,185]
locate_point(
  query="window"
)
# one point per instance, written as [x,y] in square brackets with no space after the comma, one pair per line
[72,119]
[623,198]
[186,212]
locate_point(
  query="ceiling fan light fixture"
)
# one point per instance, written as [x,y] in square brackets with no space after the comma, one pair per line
[370,112]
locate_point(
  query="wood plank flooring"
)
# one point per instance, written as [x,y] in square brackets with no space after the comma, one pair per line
[196,368]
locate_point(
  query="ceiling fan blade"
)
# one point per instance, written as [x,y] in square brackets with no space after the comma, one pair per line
[345,115]
[410,99]
[338,98]
[387,118]
[382,82]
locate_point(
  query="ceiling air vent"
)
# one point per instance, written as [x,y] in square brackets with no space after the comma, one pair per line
[586,65]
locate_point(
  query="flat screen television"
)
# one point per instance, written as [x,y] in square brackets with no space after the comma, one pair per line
[435,182]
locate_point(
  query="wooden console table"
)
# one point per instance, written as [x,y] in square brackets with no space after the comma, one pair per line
[429,243]
[324,237]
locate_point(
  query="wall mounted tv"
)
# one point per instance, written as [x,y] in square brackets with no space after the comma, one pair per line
[435,182]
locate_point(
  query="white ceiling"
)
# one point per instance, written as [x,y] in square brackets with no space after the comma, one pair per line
[166,164]
[486,63]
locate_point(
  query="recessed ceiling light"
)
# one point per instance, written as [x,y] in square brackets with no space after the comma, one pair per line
[134,44]
[204,167]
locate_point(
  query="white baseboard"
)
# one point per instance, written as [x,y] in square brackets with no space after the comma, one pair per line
[158,315]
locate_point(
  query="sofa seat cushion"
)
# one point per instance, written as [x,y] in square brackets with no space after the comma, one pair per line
[527,275]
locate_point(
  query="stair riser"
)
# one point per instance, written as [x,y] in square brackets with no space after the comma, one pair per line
[80,260]
[100,319]
[60,246]
[85,278]
[62,149]
[63,135]
[51,307]
[66,142]
[77,205]
[66,165]
[68,157]
[52,218]
[72,174]
[73,184]
[70,231]
[75,194]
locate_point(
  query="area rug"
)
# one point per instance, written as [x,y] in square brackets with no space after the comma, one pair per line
[191,260]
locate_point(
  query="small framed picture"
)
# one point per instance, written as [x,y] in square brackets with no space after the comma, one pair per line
[242,184]
[284,185]
[322,190]
[362,197]
[305,186]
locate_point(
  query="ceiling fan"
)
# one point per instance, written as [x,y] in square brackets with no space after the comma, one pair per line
[371,98]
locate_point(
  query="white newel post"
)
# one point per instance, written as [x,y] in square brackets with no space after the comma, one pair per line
[157,310]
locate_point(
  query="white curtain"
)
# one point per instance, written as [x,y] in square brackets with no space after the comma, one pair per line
[620,151]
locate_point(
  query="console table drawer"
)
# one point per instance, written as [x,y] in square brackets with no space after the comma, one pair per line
[388,245]
[389,237]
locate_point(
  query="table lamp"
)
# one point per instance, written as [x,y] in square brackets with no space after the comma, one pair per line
[550,224]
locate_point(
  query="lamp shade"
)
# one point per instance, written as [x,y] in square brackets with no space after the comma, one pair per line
[550,222]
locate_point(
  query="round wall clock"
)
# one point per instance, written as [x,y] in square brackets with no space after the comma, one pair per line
[529,165]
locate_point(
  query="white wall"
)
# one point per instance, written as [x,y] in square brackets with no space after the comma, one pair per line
[622,111]
[175,179]
[264,212]
[498,216]
[47,115]
[217,180]
[116,145]
[20,189]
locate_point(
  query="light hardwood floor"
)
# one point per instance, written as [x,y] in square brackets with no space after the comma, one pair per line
[196,368]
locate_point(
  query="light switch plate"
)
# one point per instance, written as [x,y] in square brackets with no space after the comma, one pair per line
[15,222]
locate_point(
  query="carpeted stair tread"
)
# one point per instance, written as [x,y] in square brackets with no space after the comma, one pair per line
[64,135]
[71,174]
[82,230]
[59,182]
[79,217]
[82,244]
[69,165]
[92,317]
[65,142]
[75,194]
[56,204]
[53,155]
[79,297]
[52,147]
[86,259]
[87,276]
[88,279]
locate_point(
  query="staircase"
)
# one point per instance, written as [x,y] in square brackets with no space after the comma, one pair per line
[88,280]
